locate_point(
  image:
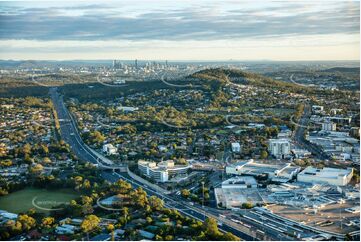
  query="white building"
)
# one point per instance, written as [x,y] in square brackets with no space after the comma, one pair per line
[162,171]
[236,147]
[280,148]
[109,149]
[332,176]
[329,126]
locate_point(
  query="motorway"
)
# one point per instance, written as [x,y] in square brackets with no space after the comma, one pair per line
[300,138]
[70,135]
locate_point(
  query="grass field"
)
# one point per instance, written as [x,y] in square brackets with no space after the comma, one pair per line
[23,200]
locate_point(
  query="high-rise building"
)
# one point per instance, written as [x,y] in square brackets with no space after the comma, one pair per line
[136,64]
[280,148]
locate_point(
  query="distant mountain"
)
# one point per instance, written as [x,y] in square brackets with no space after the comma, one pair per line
[343,69]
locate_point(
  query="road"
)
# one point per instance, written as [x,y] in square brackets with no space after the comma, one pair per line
[68,130]
[300,138]
[69,134]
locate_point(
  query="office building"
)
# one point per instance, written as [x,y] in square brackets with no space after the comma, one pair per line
[163,171]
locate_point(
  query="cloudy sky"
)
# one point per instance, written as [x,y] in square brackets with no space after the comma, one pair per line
[180,30]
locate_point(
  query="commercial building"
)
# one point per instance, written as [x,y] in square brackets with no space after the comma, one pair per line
[332,176]
[279,148]
[162,171]
[236,191]
[279,172]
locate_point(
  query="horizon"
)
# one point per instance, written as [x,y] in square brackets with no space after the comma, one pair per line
[173,60]
[180,31]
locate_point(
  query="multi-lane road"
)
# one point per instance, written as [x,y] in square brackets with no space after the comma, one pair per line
[69,134]
[299,136]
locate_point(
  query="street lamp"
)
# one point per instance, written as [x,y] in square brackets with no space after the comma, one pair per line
[204,212]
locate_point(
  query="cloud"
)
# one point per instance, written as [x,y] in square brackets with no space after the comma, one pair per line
[204,22]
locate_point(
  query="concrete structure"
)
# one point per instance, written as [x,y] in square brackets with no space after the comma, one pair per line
[280,172]
[236,147]
[162,171]
[109,149]
[332,176]
[329,126]
[279,148]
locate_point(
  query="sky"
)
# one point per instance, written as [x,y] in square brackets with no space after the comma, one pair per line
[180,30]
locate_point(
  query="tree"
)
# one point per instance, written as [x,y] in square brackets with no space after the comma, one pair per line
[247,205]
[26,222]
[110,227]
[36,169]
[185,193]
[156,203]
[230,237]
[3,191]
[168,238]
[89,223]
[125,213]
[211,229]
[264,154]
[86,200]
[139,197]
[121,187]
[47,222]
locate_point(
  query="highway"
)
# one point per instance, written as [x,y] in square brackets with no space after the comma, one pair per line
[70,135]
[300,138]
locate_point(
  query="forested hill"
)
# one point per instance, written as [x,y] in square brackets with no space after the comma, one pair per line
[243,77]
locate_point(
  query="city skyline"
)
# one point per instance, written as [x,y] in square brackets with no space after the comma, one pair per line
[159,30]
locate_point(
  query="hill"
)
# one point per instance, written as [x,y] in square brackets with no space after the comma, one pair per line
[343,69]
[225,76]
